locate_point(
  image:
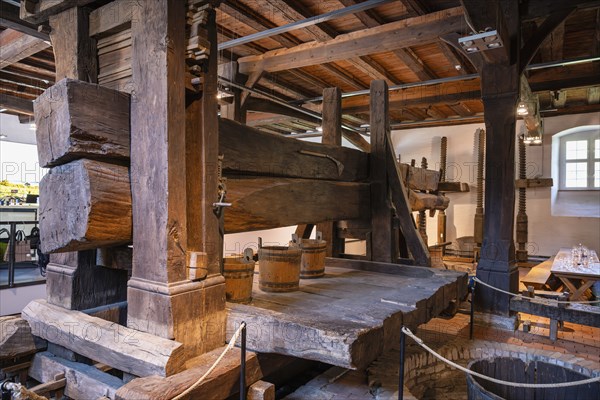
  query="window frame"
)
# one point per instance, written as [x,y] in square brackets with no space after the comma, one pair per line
[591,160]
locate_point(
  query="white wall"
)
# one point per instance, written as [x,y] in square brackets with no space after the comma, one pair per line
[547,233]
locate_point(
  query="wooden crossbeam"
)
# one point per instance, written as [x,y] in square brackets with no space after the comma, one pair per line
[17,46]
[16,104]
[387,37]
[38,11]
[9,18]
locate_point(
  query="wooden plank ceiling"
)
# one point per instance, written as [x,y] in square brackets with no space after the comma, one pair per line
[27,62]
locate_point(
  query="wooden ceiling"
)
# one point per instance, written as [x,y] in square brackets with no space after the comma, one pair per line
[27,62]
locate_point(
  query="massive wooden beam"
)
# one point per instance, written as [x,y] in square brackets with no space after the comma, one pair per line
[265,203]
[77,119]
[388,37]
[17,46]
[123,348]
[16,104]
[85,204]
[249,151]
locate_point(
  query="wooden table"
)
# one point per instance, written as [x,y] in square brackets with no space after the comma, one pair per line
[577,280]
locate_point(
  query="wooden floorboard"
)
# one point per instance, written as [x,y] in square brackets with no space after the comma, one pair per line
[347,317]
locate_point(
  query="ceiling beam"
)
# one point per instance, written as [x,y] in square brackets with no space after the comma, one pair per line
[543,33]
[9,18]
[388,37]
[17,46]
[16,104]
[534,9]
[370,19]
[322,32]
[38,11]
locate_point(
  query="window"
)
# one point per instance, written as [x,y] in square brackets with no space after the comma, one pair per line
[580,161]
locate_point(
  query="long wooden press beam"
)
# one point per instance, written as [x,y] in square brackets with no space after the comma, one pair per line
[77,119]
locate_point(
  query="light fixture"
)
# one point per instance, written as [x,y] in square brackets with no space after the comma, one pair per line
[3,136]
[532,138]
[487,40]
[319,128]
[2,109]
[522,109]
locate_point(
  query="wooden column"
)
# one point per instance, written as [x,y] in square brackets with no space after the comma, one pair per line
[234,110]
[73,279]
[497,262]
[332,134]
[74,51]
[384,245]
[162,300]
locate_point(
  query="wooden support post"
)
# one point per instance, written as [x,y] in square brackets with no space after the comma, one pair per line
[332,134]
[74,49]
[384,245]
[161,298]
[497,263]
[234,110]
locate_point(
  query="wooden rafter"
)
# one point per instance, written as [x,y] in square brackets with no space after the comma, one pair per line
[543,33]
[16,104]
[17,46]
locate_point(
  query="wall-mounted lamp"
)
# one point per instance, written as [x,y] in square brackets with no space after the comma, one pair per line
[488,40]
[3,136]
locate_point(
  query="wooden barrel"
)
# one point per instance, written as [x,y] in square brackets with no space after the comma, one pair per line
[279,268]
[238,271]
[313,258]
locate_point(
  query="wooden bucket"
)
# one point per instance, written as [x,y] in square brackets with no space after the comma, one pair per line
[238,271]
[279,268]
[313,258]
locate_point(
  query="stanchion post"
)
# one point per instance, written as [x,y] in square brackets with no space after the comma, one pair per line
[472,310]
[401,371]
[243,364]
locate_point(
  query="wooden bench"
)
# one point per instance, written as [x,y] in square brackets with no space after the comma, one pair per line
[540,276]
[582,314]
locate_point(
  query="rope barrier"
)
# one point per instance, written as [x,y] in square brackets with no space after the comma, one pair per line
[530,298]
[420,342]
[230,345]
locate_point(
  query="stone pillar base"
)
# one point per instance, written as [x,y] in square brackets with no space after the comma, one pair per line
[190,312]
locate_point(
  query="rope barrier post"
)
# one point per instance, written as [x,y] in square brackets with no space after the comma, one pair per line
[472,310]
[243,363]
[401,371]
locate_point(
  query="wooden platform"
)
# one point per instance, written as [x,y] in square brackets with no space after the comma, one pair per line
[351,315]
